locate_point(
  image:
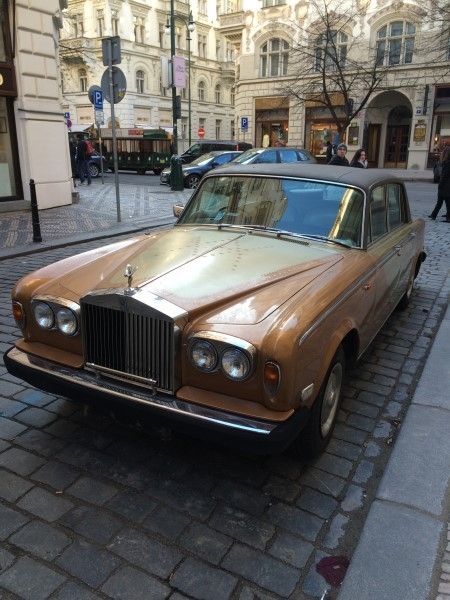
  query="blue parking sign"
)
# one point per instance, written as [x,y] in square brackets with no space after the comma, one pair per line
[98,100]
[244,123]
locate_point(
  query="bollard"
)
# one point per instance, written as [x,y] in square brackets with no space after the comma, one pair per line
[34,213]
[176,177]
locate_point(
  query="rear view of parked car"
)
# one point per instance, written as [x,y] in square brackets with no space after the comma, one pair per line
[95,162]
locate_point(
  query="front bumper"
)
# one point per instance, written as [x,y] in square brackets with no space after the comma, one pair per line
[219,426]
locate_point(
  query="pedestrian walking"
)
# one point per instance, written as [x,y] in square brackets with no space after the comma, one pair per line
[83,161]
[73,159]
[443,194]
[359,160]
[329,151]
[339,159]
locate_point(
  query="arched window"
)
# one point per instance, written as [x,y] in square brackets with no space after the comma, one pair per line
[395,43]
[140,82]
[330,51]
[218,93]
[83,82]
[274,55]
[201,91]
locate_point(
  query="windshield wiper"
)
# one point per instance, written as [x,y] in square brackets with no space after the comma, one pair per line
[324,238]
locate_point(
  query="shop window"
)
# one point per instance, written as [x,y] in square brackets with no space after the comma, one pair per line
[331,51]
[274,58]
[395,43]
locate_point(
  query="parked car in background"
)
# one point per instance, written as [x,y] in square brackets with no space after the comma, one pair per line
[95,162]
[236,324]
[275,155]
[193,172]
[205,146]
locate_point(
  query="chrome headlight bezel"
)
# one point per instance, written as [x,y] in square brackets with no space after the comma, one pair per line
[235,358]
[61,315]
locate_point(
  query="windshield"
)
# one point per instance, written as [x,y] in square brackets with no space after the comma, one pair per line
[297,206]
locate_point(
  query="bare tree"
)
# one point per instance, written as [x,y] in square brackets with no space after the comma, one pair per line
[333,68]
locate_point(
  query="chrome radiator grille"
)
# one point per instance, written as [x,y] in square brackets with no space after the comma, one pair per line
[138,348]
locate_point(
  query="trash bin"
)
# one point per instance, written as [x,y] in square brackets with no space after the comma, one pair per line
[176,178]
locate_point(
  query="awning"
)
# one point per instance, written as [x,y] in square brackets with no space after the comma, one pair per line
[80,128]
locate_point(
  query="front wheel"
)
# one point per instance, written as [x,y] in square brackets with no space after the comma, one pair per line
[317,433]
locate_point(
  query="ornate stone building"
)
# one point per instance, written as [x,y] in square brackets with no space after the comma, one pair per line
[408,111]
[142,25]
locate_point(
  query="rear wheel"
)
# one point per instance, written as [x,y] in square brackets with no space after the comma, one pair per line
[192,181]
[405,299]
[94,170]
[317,433]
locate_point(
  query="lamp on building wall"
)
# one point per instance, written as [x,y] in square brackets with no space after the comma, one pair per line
[170,28]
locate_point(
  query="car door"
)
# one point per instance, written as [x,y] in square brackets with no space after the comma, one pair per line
[387,260]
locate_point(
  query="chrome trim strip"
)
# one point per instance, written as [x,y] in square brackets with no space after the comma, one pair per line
[84,379]
[57,301]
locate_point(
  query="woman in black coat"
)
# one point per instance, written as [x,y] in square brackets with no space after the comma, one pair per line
[443,186]
[359,160]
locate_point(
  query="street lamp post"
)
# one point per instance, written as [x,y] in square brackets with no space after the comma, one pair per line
[170,28]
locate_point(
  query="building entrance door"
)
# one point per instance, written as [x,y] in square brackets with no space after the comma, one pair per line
[373,145]
[396,154]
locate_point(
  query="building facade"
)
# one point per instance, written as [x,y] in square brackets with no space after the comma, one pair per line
[407,114]
[145,42]
[33,135]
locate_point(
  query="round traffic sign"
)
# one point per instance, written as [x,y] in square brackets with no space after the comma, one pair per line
[119,85]
[201,132]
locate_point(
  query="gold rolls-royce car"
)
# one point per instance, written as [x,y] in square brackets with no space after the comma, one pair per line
[238,322]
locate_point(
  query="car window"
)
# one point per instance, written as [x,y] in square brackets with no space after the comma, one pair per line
[378,223]
[395,204]
[288,155]
[302,156]
[223,158]
[267,157]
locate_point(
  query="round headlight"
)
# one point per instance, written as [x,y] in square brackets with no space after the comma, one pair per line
[66,321]
[204,355]
[44,315]
[235,364]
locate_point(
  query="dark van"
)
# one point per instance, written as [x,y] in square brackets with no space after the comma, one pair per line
[205,146]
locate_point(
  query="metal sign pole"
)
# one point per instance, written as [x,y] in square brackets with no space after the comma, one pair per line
[113,124]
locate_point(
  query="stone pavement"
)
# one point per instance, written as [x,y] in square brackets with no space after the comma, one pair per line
[97,213]
[404,547]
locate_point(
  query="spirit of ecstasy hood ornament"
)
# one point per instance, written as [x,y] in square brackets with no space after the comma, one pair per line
[129,272]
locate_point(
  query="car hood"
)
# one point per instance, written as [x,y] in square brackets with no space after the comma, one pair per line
[205,270]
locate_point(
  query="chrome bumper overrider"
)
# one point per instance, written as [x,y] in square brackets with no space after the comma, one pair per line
[35,370]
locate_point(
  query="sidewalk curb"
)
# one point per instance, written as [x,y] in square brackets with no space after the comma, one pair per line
[405,531]
[137,227]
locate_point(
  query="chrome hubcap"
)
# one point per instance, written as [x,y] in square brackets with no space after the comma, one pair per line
[331,399]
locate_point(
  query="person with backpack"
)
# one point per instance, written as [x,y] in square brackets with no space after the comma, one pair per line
[83,161]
